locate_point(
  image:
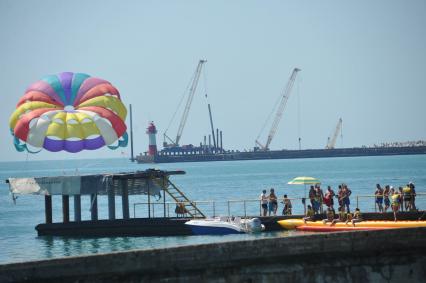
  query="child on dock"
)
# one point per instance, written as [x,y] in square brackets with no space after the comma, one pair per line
[287,205]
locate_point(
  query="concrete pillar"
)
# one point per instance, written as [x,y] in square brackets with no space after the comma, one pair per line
[94,207]
[48,208]
[125,199]
[77,208]
[111,203]
[66,208]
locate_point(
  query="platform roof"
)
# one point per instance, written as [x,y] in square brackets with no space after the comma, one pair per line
[138,183]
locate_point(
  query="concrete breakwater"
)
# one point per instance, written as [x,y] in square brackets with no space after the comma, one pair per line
[396,255]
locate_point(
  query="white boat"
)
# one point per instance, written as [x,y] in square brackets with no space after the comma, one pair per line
[224,226]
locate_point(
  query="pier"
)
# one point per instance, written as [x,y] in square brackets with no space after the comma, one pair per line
[396,255]
[192,155]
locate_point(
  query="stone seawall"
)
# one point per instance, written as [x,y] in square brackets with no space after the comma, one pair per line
[396,255]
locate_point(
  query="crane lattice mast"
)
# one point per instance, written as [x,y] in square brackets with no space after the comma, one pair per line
[192,90]
[332,141]
[280,110]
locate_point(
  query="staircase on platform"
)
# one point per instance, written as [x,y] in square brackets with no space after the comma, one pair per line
[180,198]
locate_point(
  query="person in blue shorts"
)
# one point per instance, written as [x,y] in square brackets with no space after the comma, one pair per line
[386,199]
[379,197]
[346,194]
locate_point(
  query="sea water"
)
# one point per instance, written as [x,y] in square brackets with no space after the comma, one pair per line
[215,182]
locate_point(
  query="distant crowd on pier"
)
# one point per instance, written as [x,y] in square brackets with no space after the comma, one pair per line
[388,197]
[402,144]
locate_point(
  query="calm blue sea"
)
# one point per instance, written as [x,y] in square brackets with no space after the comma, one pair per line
[206,181]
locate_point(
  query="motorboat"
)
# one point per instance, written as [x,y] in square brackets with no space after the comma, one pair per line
[225,226]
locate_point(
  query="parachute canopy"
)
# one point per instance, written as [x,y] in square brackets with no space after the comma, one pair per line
[70,112]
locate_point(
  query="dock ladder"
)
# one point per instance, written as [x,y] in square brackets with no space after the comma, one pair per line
[180,198]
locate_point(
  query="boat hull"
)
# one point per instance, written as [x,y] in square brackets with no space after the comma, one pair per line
[206,230]
[337,229]
[291,224]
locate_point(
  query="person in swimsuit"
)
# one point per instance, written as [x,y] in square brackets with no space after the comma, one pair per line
[287,205]
[395,202]
[273,202]
[356,218]
[330,216]
[386,193]
[342,216]
[264,203]
[309,214]
[379,197]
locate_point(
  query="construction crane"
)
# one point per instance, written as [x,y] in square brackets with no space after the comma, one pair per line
[280,110]
[331,142]
[182,123]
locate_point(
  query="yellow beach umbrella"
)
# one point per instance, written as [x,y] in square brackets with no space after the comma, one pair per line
[304,180]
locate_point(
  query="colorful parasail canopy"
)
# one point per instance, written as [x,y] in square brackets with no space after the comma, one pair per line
[70,112]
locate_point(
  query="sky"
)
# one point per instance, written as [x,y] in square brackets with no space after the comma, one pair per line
[363,61]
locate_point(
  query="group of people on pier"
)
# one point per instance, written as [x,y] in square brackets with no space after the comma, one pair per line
[317,198]
[402,199]
[269,203]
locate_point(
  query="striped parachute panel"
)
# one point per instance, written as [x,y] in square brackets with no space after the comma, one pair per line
[70,112]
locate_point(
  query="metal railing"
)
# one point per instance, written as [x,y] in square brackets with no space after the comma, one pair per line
[252,207]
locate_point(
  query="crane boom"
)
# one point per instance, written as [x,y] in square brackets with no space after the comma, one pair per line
[280,110]
[189,101]
[332,142]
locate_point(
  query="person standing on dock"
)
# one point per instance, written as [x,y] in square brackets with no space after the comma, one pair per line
[386,193]
[340,195]
[407,197]
[401,202]
[379,197]
[312,199]
[328,198]
[319,198]
[264,203]
[273,202]
[413,196]
[395,202]
[345,198]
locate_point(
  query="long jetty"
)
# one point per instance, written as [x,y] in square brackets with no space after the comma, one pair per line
[395,255]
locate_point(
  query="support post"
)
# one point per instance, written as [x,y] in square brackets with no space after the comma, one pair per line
[111,203]
[221,144]
[164,199]
[217,140]
[93,207]
[48,208]
[66,208]
[131,134]
[149,200]
[77,208]
[125,199]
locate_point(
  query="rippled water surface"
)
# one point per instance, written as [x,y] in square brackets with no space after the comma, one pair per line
[216,181]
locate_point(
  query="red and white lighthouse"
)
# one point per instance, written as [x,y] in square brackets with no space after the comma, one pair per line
[151,132]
